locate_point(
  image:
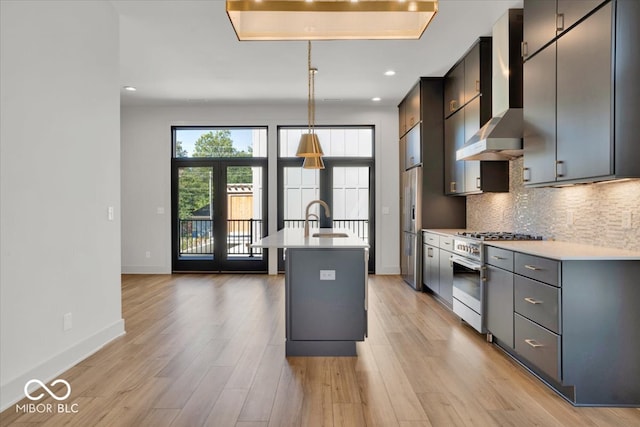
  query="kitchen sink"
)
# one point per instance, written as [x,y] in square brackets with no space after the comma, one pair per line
[330,235]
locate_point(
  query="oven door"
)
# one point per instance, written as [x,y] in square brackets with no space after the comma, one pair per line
[468,291]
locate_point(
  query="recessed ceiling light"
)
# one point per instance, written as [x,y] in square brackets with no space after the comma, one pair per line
[376,99]
[129,88]
[389,73]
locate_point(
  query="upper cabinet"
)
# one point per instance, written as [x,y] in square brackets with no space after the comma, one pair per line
[467,107]
[545,19]
[573,131]
[469,78]
[454,89]
[409,110]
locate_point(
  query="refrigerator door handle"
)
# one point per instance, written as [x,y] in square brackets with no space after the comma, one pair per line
[413,212]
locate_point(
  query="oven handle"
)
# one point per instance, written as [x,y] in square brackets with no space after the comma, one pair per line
[469,264]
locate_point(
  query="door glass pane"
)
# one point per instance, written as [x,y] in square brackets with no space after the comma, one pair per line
[351,200]
[244,211]
[195,212]
[300,187]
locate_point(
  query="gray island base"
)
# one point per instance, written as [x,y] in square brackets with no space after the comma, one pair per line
[325,292]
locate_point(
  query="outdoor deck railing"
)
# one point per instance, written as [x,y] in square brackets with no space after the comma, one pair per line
[196,236]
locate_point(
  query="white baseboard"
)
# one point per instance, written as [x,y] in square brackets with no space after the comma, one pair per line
[386,271]
[145,269]
[13,391]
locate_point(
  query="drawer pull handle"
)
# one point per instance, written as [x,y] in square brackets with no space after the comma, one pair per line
[531,267]
[533,343]
[532,301]
[497,257]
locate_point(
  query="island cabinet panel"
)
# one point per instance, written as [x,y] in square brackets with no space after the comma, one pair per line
[325,301]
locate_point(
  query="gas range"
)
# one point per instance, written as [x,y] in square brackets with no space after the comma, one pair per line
[469,243]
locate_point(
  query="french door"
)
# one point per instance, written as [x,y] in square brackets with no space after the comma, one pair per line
[218,210]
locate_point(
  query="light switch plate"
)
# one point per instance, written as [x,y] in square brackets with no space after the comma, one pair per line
[327,275]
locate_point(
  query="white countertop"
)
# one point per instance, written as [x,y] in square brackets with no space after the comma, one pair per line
[294,238]
[566,251]
[445,231]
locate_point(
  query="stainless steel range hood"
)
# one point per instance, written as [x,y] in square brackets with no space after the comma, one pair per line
[501,137]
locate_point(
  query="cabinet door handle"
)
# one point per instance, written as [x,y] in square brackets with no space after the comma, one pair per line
[533,343]
[560,22]
[531,267]
[559,169]
[532,301]
[430,252]
[477,85]
[497,257]
[452,105]
[478,182]
[452,187]
[524,49]
[526,174]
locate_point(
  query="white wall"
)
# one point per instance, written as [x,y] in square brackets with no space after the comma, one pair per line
[59,150]
[146,170]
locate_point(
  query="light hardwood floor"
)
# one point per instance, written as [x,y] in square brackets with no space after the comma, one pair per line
[209,350]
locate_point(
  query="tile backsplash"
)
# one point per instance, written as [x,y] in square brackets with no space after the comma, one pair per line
[595,214]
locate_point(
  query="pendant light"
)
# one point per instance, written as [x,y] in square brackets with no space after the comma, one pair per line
[309,146]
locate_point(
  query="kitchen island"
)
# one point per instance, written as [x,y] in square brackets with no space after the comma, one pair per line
[325,290]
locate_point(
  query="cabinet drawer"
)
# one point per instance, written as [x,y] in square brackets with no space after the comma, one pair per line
[446,243]
[430,238]
[538,302]
[542,269]
[499,257]
[538,345]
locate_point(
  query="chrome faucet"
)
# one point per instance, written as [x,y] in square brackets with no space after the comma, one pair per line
[307,215]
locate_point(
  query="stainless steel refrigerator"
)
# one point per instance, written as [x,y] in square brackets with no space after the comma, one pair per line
[410,259]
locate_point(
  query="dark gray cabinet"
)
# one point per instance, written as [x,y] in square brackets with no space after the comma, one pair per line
[539,91]
[467,108]
[446,277]
[584,90]
[573,322]
[426,141]
[431,268]
[454,177]
[325,317]
[499,300]
[454,85]
[545,19]
[437,270]
[577,107]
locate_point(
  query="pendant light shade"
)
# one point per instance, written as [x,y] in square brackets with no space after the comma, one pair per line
[309,146]
[313,163]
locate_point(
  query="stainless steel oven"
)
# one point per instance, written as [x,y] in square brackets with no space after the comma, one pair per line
[468,283]
[468,273]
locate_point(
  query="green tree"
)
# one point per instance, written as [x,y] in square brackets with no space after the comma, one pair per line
[218,144]
[180,152]
[195,190]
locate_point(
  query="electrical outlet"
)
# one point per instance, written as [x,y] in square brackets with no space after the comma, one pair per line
[147,254]
[110,213]
[160,210]
[67,321]
[570,218]
[327,275]
[626,220]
